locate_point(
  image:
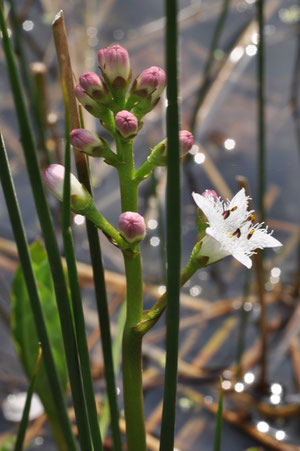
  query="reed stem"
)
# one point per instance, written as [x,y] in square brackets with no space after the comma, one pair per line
[173,237]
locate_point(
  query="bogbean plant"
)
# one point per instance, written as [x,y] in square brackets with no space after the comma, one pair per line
[224,228]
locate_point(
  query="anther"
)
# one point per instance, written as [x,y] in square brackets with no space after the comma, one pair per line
[251,218]
[237,233]
[225,214]
[250,234]
[234,208]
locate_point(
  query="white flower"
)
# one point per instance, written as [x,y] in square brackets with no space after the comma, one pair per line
[231,230]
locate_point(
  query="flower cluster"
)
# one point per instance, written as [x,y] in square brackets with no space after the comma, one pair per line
[231,229]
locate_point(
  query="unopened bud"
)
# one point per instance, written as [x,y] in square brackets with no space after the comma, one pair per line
[89,104]
[54,180]
[150,81]
[186,140]
[115,66]
[95,87]
[126,124]
[132,226]
[87,142]
[146,90]
[210,194]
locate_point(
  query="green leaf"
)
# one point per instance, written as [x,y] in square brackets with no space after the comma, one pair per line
[25,335]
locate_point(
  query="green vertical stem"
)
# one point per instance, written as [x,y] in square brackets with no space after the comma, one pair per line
[261,181]
[76,297]
[25,259]
[43,212]
[62,50]
[261,108]
[18,35]
[132,342]
[173,234]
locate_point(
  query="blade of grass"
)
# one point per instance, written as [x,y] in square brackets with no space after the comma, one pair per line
[218,433]
[173,233]
[25,416]
[261,108]
[66,73]
[28,81]
[43,211]
[22,245]
[75,292]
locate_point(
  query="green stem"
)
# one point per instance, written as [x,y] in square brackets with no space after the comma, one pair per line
[25,259]
[29,86]
[151,316]
[76,295]
[152,162]
[132,342]
[132,357]
[261,108]
[49,235]
[128,187]
[173,233]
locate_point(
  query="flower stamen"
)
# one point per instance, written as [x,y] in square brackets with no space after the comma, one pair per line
[250,234]
[237,233]
[226,213]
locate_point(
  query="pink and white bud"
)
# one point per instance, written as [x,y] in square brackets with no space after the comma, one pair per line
[87,142]
[89,104]
[210,194]
[132,226]
[126,124]
[150,81]
[54,180]
[186,140]
[115,65]
[94,86]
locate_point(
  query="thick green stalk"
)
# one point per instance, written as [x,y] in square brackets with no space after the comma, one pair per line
[132,342]
[76,297]
[128,187]
[43,211]
[132,357]
[25,259]
[173,233]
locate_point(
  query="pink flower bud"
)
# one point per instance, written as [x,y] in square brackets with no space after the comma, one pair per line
[87,142]
[150,81]
[54,181]
[210,194]
[94,86]
[126,124]
[132,226]
[186,140]
[115,65]
[89,104]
